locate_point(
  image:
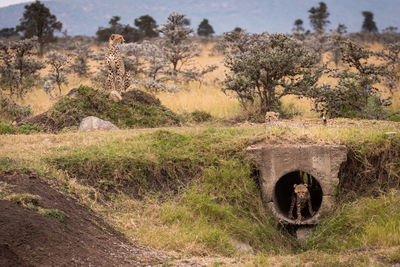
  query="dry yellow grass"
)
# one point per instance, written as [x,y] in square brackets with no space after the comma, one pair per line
[205,97]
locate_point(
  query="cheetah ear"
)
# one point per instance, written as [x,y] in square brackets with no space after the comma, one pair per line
[306,185]
[112,37]
[294,186]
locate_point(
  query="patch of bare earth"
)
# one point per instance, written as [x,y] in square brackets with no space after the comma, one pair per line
[27,238]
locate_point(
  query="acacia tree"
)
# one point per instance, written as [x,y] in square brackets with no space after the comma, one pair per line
[18,67]
[38,21]
[59,69]
[147,26]
[8,32]
[319,17]
[265,67]
[82,52]
[356,93]
[392,55]
[298,26]
[368,25]
[130,34]
[205,29]
[176,44]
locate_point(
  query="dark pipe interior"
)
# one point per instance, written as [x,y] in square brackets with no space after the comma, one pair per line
[284,189]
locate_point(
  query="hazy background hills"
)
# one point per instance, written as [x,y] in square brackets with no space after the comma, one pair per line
[85,16]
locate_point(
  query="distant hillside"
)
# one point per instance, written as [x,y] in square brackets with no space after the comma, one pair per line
[85,16]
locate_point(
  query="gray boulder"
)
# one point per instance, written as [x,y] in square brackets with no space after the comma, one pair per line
[92,123]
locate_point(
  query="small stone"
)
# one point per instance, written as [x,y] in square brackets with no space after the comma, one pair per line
[303,234]
[391,133]
[115,96]
[92,123]
[46,141]
[243,247]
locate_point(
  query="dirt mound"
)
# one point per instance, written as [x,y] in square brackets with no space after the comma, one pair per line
[138,109]
[141,97]
[28,238]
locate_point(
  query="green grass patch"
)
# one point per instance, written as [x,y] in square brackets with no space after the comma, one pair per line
[25,200]
[22,129]
[30,202]
[366,222]
[59,215]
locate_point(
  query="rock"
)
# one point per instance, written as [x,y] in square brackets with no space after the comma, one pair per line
[243,247]
[92,123]
[303,234]
[46,141]
[391,133]
[115,96]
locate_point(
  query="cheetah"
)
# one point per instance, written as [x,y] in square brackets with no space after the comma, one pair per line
[117,78]
[301,196]
[271,118]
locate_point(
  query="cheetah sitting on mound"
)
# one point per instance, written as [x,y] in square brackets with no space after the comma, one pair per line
[117,78]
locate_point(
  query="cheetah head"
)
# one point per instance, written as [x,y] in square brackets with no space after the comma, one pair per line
[301,190]
[116,39]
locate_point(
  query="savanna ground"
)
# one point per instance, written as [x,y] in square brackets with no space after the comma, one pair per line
[190,192]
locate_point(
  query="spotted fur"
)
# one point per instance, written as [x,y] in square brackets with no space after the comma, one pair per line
[117,79]
[300,196]
[271,118]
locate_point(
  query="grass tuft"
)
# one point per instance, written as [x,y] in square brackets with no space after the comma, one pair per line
[59,215]
[22,129]
[367,222]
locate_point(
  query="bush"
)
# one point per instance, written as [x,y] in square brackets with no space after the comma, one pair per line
[265,67]
[59,215]
[10,110]
[22,129]
[199,116]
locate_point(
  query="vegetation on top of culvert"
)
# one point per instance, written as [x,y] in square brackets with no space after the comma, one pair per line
[138,109]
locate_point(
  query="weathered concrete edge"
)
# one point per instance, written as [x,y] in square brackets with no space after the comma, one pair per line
[337,154]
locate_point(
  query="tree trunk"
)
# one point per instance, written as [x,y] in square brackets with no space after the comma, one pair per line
[41,49]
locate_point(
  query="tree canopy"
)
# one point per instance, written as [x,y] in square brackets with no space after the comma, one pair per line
[205,29]
[319,17]
[130,34]
[265,67]
[147,26]
[38,21]
[369,23]
[298,26]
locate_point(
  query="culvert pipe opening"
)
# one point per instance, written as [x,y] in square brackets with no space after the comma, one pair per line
[284,189]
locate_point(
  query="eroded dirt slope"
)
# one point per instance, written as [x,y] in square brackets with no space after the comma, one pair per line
[28,238]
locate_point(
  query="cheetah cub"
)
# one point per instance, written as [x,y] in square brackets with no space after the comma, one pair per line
[301,196]
[271,118]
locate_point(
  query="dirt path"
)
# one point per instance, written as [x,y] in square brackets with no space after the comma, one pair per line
[28,238]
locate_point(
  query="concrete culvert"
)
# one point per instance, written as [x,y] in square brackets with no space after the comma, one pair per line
[282,196]
[282,166]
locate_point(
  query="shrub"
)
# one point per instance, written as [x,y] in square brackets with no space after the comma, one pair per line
[265,67]
[59,215]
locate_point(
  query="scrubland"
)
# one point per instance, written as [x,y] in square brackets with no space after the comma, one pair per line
[192,192]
